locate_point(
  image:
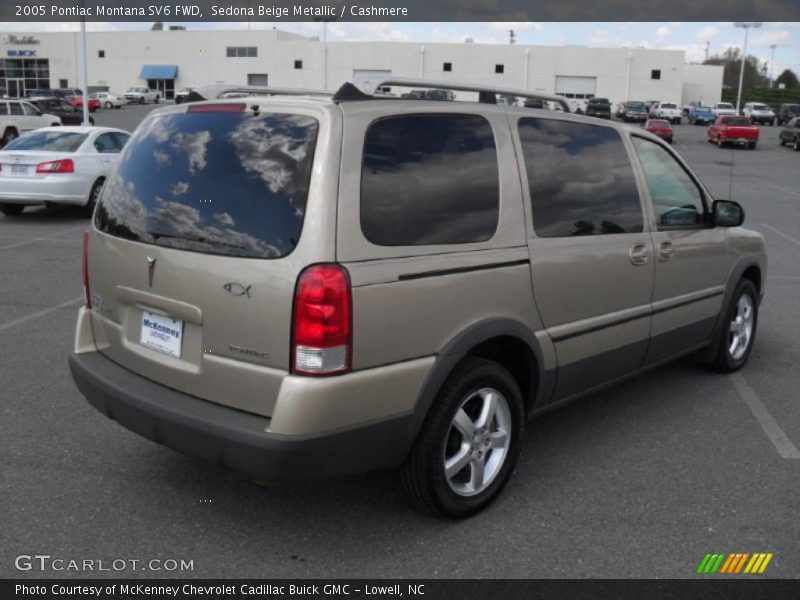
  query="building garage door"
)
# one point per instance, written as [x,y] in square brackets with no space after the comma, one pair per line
[576,87]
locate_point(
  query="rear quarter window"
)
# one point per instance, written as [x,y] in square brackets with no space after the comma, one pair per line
[429,179]
[230,183]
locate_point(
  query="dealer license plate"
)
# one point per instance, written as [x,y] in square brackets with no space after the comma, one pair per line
[162,333]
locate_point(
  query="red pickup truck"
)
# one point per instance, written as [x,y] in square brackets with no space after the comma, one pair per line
[734,130]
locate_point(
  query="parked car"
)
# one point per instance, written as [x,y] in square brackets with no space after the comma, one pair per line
[67,93]
[69,114]
[140,95]
[701,115]
[77,102]
[787,112]
[635,112]
[723,108]
[181,94]
[57,165]
[247,305]
[759,113]
[534,103]
[688,107]
[735,131]
[18,117]
[667,111]
[107,99]
[598,107]
[790,134]
[33,95]
[659,127]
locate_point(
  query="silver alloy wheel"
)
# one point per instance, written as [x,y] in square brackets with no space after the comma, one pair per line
[477,442]
[741,328]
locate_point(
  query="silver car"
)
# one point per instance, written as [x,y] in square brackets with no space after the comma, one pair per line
[58,165]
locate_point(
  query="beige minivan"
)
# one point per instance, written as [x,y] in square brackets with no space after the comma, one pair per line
[304,286]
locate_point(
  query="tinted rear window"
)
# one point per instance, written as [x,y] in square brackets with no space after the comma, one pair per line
[429,179]
[230,183]
[580,179]
[49,141]
[736,121]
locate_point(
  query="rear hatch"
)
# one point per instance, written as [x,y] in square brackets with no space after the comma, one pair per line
[195,255]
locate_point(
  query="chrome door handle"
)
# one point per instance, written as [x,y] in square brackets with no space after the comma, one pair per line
[665,251]
[638,254]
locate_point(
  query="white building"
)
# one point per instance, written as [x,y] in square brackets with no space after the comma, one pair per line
[169,60]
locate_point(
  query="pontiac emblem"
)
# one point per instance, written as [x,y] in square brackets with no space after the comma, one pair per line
[151,267]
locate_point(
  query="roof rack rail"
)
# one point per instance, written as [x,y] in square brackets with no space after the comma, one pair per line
[363,86]
[220,90]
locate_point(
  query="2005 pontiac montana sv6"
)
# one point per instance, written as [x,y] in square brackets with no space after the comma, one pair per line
[300,286]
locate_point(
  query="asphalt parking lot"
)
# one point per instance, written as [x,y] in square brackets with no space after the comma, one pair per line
[641,480]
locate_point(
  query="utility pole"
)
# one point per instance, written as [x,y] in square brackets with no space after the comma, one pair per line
[708,44]
[746,25]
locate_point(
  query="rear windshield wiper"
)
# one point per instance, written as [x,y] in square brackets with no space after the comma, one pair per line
[198,239]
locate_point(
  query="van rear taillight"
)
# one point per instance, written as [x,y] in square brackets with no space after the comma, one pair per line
[238,107]
[86,293]
[322,324]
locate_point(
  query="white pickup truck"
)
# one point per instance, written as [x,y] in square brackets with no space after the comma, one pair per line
[668,111]
[18,117]
[759,113]
[141,94]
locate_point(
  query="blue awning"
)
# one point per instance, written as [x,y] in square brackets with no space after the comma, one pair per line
[159,72]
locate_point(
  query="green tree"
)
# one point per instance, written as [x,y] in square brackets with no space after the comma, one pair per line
[754,74]
[789,78]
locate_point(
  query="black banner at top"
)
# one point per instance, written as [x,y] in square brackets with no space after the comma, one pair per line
[396,10]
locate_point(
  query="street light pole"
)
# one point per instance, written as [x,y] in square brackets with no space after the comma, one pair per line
[771,64]
[84,85]
[746,26]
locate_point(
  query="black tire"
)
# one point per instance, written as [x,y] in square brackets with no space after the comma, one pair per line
[796,145]
[9,135]
[724,361]
[91,121]
[108,105]
[91,110]
[141,100]
[11,210]
[423,475]
[55,124]
[94,194]
[782,141]
[720,143]
[156,100]
[752,146]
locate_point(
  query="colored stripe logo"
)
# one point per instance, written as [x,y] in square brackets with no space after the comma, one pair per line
[735,563]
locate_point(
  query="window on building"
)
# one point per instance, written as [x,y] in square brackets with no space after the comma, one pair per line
[63,83]
[580,179]
[241,51]
[408,194]
[447,67]
[499,69]
[101,54]
[655,74]
[298,64]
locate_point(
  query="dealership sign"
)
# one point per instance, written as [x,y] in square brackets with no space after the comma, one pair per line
[21,53]
[20,40]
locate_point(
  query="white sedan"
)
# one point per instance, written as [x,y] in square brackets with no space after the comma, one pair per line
[108,100]
[58,165]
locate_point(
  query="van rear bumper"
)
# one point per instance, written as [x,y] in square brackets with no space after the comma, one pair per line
[232,438]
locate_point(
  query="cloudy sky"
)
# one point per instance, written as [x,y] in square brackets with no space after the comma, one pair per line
[691,37]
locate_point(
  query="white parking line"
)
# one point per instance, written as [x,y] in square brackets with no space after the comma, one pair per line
[776,435]
[780,233]
[41,313]
[41,238]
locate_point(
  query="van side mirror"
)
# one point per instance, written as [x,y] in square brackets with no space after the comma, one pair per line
[727,213]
